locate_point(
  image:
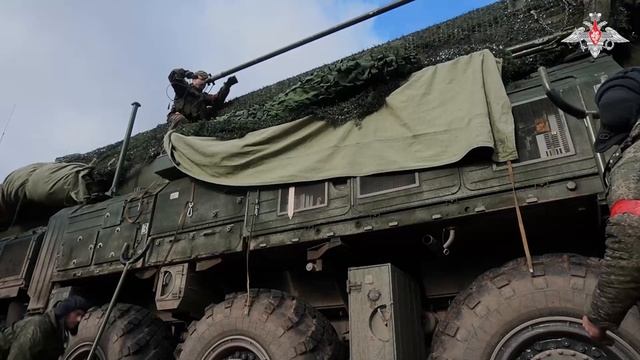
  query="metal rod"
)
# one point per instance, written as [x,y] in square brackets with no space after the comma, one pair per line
[556,98]
[123,150]
[105,320]
[537,42]
[311,38]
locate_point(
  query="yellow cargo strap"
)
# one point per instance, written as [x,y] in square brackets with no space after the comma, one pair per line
[523,234]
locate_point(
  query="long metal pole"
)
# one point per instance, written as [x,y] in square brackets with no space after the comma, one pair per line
[123,150]
[311,38]
[127,262]
[105,320]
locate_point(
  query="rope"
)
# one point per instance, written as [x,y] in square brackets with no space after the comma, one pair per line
[523,234]
[248,249]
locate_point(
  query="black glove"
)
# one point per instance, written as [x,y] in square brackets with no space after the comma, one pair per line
[231,81]
[188,74]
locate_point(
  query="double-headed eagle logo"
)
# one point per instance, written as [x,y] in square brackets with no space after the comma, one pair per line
[593,37]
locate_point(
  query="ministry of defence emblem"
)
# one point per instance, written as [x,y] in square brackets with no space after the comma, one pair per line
[593,37]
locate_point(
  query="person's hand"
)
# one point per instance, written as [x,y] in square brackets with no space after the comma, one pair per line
[189,74]
[231,81]
[175,119]
[595,332]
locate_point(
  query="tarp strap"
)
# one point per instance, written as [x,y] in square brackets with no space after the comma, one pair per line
[523,233]
[15,215]
[187,211]
[247,244]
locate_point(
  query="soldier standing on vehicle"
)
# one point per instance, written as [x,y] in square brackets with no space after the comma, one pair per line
[191,103]
[42,337]
[618,287]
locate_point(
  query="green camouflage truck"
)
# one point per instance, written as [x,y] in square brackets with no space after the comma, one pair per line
[414,264]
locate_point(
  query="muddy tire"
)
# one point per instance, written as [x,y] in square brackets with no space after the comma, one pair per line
[275,326]
[509,314]
[133,333]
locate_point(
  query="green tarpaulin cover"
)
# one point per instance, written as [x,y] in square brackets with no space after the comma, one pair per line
[439,115]
[53,185]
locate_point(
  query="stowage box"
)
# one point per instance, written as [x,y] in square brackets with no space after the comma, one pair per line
[384,314]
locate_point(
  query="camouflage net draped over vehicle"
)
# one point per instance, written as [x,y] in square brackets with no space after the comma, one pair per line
[356,86]
[324,88]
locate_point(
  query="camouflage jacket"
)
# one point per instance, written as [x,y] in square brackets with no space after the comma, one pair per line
[193,103]
[618,287]
[34,338]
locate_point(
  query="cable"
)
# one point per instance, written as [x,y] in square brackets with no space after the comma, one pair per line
[6,126]
[166,92]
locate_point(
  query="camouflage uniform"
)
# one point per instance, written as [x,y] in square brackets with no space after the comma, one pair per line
[618,287]
[192,104]
[38,337]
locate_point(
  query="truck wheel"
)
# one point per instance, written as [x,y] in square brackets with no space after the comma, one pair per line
[132,333]
[274,326]
[508,313]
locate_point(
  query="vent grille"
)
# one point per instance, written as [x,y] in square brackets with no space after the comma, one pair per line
[541,132]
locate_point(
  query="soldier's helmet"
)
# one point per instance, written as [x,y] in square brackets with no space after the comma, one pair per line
[618,101]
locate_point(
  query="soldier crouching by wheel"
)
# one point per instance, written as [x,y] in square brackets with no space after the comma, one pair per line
[42,337]
[618,287]
[191,103]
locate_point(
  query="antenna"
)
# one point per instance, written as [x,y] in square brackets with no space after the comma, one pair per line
[6,125]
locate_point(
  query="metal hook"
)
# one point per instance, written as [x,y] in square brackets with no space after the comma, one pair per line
[190,209]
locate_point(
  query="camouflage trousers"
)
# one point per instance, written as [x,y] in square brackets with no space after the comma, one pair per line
[618,287]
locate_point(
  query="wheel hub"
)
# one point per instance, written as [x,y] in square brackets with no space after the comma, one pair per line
[81,351]
[561,354]
[563,348]
[236,348]
[242,355]
[558,338]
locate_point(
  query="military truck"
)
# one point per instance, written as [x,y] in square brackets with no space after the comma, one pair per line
[385,266]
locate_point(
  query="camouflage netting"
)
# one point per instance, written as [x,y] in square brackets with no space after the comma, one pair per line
[357,86]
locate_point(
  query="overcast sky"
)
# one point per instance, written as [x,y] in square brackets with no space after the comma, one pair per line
[73,67]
